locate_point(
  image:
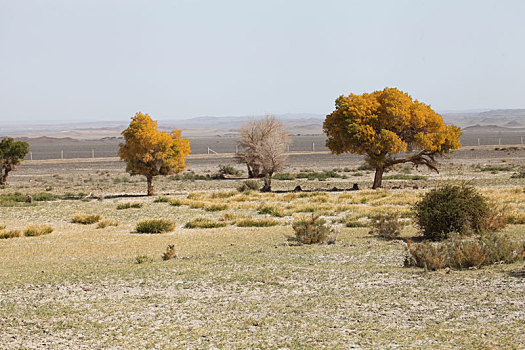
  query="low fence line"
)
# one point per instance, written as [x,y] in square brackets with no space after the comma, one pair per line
[93,153]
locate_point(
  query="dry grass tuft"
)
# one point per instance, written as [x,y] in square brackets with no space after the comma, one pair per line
[86,219]
[155,226]
[33,231]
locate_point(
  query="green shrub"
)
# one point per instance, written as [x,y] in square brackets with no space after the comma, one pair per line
[190,176]
[386,225]
[155,226]
[216,207]
[128,205]
[32,231]
[106,223]
[515,218]
[161,199]
[519,174]
[177,202]
[354,223]
[257,222]
[451,209]
[283,176]
[4,234]
[271,210]
[496,168]
[86,219]
[322,176]
[249,185]
[228,170]
[223,194]
[141,259]
[310,230]
[169,253]
[202,222]
[463,253]
[404,177]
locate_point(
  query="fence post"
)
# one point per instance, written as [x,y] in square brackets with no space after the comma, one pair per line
[521,137]
[236,149]
[479,144]
[31,155]
[93,153]
[499,141]
[313,146]
[62,154]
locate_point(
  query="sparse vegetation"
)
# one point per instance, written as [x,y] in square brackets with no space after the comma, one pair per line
[155,226]
[461,253]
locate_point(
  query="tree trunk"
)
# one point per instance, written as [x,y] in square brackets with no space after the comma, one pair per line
[150,185]
[378,178]
[3,177]
[250,172]
[267,183]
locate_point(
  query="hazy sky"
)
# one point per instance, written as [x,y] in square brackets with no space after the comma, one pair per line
[106,59]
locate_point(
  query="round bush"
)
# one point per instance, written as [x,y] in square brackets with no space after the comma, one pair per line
[450,209]
[155,226]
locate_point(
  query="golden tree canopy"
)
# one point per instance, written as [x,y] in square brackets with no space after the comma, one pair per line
[150,152]
[383,124]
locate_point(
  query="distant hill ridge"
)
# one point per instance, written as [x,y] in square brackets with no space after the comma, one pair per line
[205,126]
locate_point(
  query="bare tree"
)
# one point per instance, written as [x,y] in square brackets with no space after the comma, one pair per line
[263,145]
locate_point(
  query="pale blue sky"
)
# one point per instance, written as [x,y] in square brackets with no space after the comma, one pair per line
[106,59]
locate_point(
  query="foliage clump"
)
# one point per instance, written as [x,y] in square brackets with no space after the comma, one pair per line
[386,225]
[257,223]
[216,207]
[4,234]
[450,209]
[128,205]
[225,170]
[86,219]
[141,259]
[11,155]
[202,222]
[263,144]
[155,226]
[106,223]
[462,253]
[33,231]
[311,229]
[150,152]
[249,185]
[390,128]
[161,199]
[271,210]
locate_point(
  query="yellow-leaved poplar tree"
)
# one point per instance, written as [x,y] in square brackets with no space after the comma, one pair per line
[389,127]
[150,152]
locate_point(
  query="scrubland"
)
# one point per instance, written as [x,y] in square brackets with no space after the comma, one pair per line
[233,279]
